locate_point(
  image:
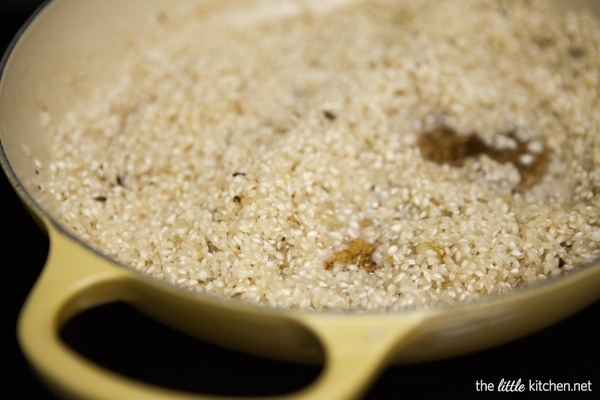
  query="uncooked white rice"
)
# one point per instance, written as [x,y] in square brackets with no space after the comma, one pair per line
[296,162]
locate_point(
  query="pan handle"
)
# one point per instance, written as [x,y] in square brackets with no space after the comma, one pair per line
[356,349]
[71,282]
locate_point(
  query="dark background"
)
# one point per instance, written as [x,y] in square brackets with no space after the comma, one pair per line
[126,341]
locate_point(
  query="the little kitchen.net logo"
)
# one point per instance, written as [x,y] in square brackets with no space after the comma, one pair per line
[531,385]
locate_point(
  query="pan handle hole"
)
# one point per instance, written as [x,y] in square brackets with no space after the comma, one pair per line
[122,339]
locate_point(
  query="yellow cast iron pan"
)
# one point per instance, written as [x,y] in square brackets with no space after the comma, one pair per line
[70,47]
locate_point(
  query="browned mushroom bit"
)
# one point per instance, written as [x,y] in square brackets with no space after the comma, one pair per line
[357,252]
[444,145]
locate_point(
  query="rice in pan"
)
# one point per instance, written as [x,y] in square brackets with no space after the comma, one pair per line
[387,155]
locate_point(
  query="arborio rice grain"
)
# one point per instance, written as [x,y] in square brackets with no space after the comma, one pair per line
[389,155]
